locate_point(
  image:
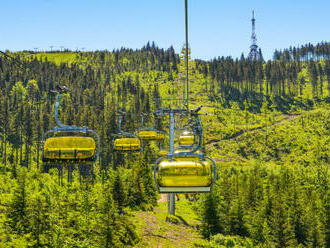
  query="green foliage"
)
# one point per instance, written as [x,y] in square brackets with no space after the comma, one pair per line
[211,220]
[117,192]
[267,128]
[41,213]
[277,208]
[17,211]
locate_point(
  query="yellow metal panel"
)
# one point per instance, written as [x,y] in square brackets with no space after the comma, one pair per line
[185,150]
[186,140]
[185,173]
[162,153]
[127,144]
[148,135]
[69,147]
[160,136]
[151,135]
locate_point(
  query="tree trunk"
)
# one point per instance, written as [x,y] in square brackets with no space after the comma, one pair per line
[38,148]
[321,86]
[27,154]
[1,152]
[16,156]
[20,149]
[5,152]
[329,85]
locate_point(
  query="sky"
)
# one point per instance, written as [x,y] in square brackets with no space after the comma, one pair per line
[216,27]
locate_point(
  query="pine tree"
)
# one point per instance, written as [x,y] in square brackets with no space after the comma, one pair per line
[315,235]
[39,221]
[282,232]
[296,214]
[236,215]
[326,211]
[17,210]
[211,221]
[106,217]
[118,192]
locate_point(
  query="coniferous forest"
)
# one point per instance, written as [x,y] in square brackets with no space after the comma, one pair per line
[267,128]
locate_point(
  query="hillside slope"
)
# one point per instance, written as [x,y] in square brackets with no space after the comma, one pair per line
[157,229]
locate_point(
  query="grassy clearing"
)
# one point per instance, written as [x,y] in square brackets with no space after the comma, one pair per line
[157,229]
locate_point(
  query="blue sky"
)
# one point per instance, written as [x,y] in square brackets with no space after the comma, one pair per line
[216,27]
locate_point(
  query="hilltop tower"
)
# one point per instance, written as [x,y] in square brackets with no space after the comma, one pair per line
[254,53]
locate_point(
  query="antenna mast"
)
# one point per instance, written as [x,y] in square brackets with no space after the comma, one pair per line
[254,53]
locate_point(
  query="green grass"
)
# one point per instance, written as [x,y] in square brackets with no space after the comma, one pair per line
[158,229]
[58,58]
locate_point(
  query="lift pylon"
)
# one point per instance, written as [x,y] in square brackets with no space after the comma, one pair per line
[187,169]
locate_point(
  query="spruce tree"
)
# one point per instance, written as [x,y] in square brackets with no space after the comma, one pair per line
[118,192]
[211,221]
[17,210]
[106,217]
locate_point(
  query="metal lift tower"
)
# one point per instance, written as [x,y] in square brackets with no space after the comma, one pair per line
[254,54]
[180,106]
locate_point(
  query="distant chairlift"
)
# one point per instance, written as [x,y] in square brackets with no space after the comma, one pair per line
[150,134]
[187,170]
[69,145]
[185,144]
[126,142]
